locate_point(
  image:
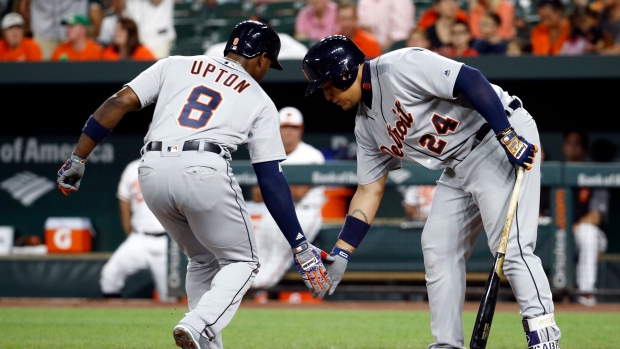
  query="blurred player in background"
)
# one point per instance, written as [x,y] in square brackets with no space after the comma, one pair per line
[146,245]
[591,211]
[273,249]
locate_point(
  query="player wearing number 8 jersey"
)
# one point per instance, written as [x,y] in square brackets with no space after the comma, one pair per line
[206,107]
[415,105]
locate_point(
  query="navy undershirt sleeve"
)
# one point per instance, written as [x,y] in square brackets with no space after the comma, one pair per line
[478,90]
[277,197]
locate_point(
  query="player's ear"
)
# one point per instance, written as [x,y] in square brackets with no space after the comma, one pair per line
[264,60]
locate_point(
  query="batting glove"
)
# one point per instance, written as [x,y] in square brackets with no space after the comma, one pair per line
[310,266]
[336,266]
[70,174]
[518,150]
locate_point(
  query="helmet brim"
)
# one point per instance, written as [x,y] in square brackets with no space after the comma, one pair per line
[275,64]
[315,85]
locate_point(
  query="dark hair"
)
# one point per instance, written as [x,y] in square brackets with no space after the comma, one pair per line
[133,38]
[495,17]
[555,4]
[460,21]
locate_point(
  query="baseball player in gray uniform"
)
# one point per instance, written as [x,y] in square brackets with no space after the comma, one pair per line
[206,107]
[415,105]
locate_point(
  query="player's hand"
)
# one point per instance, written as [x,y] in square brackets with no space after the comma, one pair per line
[70,174]
[336,266]
[518,150]
[310,266]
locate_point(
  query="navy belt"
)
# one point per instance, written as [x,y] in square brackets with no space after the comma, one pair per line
[188,145]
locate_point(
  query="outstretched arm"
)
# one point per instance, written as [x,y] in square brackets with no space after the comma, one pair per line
[276,194]
[362,211]
[96,129]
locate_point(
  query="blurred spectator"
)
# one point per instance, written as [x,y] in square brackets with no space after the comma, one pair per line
[610,23]
[505,9]
[586,36]
[430,15]
[15,47]
[155,20]
[440,32]
[126,44]
[515,47]
[460,41]
[96,13]
[108,24]
[388,20]
[548,36]
[591,212]
[489,40]
[78,47]
[44,20]
[347,20]
[418,38]
[316,20]
[275,251]
[289,47]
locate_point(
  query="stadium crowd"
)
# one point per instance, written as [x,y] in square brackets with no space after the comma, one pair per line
[70,30]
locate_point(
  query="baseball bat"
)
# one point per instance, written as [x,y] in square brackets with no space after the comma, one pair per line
[482,326]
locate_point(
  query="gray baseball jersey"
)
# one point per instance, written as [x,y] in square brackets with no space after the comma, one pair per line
[194,193]
[413,116]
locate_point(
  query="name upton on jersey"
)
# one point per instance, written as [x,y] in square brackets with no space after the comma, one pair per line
[228,81]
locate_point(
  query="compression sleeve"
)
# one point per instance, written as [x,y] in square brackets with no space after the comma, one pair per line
[277,197]
[481,95]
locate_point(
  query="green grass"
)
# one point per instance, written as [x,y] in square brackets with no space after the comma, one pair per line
[126,328]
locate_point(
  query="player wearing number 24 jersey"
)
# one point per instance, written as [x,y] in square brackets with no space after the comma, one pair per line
[415,105]
[205,108]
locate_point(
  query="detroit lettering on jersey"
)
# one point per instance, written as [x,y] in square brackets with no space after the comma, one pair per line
[399,131]
[442,125]
[222,76]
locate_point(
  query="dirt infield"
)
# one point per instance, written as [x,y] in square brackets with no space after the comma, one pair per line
[349,305]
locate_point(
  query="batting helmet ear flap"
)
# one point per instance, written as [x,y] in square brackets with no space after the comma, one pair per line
[334,57]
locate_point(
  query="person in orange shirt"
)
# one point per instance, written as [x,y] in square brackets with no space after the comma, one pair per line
[430,15]
[548,36]
[503,8]
[126,43]
[349,27]
[79,46]
[15,47]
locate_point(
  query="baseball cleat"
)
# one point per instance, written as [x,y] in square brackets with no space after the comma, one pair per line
[187,338]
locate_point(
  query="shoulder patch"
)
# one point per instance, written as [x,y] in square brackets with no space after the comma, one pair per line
[446,73]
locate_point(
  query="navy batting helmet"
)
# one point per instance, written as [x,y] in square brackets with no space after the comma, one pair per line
[252,38]
[334,57]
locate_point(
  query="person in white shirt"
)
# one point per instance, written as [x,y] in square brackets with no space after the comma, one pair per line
[273,249]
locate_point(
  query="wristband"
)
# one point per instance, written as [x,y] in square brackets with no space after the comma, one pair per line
[504,133]
[342,253]
[353,231]
[96,131]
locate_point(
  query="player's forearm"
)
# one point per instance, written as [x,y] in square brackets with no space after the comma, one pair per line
[277,197]
[366,200]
